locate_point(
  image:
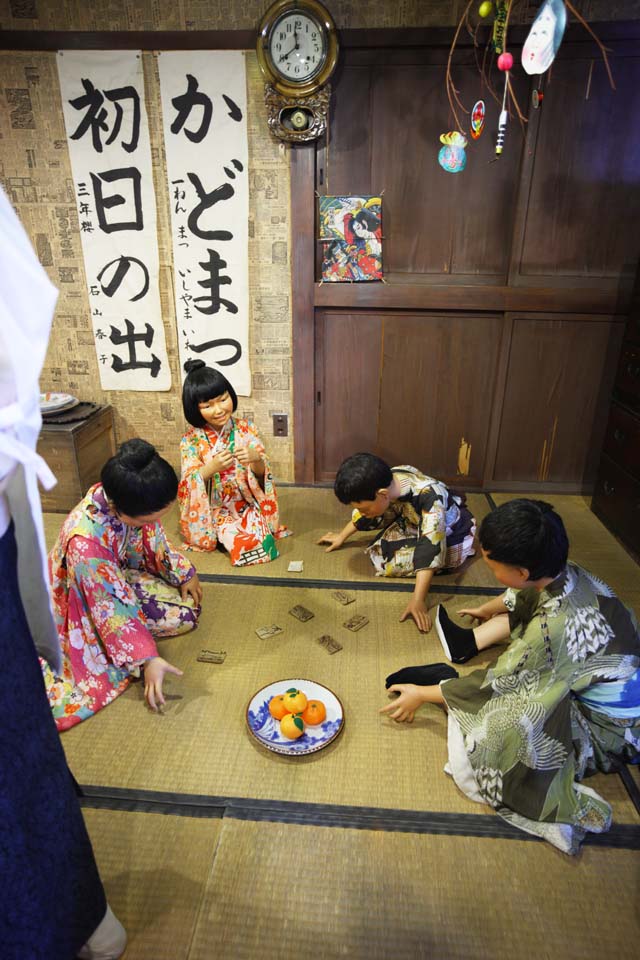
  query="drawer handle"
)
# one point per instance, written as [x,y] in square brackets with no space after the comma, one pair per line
[608,488]
[633,369]
[619,435]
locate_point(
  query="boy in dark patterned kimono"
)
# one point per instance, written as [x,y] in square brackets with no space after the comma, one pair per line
[425,528]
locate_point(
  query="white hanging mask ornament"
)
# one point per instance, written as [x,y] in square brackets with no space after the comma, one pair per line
[545,37]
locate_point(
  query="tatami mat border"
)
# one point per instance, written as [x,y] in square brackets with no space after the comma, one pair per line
[622,836]
[393,587]
[490,501]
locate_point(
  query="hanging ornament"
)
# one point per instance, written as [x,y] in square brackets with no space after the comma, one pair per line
[451,156]
[545,37]
[499,25]
[485,9]
[505,61]
[478,115]
[502,122]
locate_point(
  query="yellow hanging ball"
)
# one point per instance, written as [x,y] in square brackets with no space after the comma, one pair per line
[485,9]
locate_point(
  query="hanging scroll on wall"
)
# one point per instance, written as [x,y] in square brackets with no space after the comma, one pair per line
[108,137]
[204,108]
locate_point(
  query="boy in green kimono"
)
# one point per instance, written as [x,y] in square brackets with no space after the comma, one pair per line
[562,702]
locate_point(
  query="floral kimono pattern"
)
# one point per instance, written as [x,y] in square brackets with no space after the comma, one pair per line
[561,703]
[427,528]
[114,588]
[232,509]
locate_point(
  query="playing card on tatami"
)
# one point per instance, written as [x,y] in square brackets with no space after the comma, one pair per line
[356,623]
[342,597]
[265,633]
[301,613]
[212,656]
[331,645]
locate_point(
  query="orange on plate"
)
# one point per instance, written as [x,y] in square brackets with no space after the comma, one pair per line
[277,707]
[295,700]
[314,713]
[292,726]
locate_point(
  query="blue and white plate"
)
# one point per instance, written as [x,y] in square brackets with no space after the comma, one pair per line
[266,730]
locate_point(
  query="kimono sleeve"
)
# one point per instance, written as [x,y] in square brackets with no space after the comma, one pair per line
[196,520]
[366,523]
[431,549]
[163,560]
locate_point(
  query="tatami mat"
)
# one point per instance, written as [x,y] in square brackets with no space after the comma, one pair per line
[201,744]
[155,870]
[195,890]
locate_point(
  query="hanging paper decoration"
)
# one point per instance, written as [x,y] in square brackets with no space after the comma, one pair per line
[478,115]
[500,25]
[545,37]
[451,156]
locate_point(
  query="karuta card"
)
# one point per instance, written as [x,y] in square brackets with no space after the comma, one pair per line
[295,566]
[342,597]
[212,656]
[301,613]
[356,623]
[265,633]
[331,645]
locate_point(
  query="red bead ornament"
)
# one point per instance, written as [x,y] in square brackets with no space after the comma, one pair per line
[505,61]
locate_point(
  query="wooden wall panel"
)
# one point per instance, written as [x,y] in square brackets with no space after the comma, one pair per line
[436,393]
[385,127]
[584,200]
[555,371]
[348,348]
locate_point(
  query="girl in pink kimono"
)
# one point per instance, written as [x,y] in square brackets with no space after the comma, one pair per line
[227,494]
[116,585]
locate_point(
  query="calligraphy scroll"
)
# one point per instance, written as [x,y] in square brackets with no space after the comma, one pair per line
[108,136]
[204,107]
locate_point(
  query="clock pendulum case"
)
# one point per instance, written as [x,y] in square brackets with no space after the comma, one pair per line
[297,50]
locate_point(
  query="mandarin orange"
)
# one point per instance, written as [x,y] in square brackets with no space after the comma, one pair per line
[277,707]
[314,713]
[295,700]
[292,726]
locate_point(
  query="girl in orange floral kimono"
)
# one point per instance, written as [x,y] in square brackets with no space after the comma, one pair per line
[226,494]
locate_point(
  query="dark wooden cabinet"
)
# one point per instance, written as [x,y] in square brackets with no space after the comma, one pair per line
[76,453]
[616,499]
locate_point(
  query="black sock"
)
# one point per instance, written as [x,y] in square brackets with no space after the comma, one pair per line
[458,643]
[426,676]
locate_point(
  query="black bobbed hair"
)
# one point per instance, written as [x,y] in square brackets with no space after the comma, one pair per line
[203,383]
[526,533]
[360,477]
[138,481]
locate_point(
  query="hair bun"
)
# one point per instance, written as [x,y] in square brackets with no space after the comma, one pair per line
[192,365]
[136,454]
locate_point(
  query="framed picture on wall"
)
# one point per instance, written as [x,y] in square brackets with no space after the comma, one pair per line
[351,237]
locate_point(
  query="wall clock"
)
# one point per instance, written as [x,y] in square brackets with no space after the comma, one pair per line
[297,50]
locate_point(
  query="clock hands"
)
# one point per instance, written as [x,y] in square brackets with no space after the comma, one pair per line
[296,46]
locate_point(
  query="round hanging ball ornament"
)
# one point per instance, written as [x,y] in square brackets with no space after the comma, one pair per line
[505,61]
[485,9]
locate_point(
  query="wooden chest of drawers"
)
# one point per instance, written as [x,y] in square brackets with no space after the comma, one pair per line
[616,498]
[76,453]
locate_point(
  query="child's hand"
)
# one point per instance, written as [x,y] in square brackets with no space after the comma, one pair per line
[221,461]
[333,539]
[192,588]
[247,456]
[404,707]
[418,610]
[476,613]
[154,672]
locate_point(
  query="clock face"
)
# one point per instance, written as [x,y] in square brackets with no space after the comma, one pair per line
[298,47]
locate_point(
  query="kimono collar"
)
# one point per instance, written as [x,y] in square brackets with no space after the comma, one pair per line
[100,510]
[555,592]
[215,435]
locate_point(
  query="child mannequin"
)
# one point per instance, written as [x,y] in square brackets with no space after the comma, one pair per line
[116,585]
[563,701]
[425,527]
[227,494]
